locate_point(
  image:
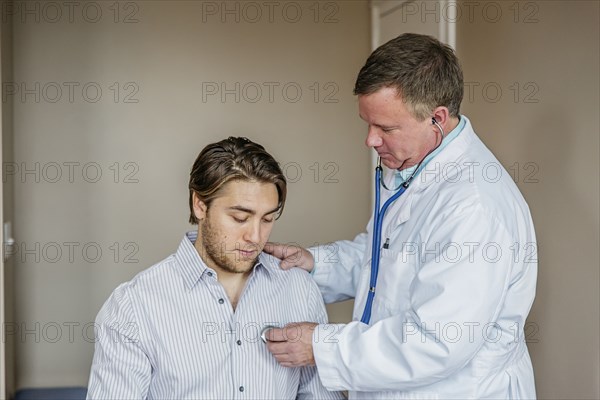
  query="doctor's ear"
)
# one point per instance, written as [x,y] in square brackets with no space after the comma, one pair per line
[440,115]
[200,208]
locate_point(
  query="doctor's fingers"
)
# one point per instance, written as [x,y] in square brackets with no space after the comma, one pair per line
[286,361]
[293,350]
[286,355]
[292,333]
[279,348]
[302,259]
[277,335]
[275,249]
[291,255]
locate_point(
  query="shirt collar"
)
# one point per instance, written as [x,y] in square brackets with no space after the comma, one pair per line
[193,268]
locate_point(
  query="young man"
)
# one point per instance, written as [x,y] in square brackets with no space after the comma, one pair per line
[189,327]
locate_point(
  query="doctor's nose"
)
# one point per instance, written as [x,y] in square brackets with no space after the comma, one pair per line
[373,138]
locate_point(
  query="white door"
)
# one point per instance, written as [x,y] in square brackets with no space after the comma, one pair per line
[7,325]
[3,394]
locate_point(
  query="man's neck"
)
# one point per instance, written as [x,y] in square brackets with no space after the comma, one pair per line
[451,124]
[233,284]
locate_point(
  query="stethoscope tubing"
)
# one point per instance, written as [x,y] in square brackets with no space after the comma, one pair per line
[375,252]
[378,215]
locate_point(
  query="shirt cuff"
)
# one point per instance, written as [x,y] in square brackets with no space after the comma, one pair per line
[319,273]
[311,251]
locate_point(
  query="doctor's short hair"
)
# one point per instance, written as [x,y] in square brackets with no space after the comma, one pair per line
[425,72]
[235,158]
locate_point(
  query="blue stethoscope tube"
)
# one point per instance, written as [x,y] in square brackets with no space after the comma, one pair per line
[378,223]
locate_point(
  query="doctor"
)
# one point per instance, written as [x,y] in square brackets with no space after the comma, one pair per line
[457,255]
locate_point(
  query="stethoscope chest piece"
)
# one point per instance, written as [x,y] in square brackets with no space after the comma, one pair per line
[263,332]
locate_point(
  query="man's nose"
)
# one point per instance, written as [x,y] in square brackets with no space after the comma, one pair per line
[253,233]
[373,137]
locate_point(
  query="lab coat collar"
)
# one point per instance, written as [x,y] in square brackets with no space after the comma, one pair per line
[451,153]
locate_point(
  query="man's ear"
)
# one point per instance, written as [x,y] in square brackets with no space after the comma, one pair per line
[200,207]
[442,115]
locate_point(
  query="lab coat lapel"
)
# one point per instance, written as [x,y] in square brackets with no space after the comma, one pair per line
[397,214]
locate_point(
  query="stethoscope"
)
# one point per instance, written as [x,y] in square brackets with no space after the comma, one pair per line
[378,221]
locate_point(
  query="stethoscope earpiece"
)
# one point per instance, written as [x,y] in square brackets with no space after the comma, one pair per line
[434,122]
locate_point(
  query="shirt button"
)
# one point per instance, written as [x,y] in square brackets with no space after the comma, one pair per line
[239,342]
[209,273]
[241,388]
[221,301]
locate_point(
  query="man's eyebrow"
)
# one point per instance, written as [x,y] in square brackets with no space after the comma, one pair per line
[242,209]
[250,211]
[377,125]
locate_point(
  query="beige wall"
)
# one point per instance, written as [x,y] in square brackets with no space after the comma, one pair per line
[547,67]
[164,61]
[543,55]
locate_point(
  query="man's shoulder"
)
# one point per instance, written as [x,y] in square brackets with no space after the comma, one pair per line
[153,277]
[296,291]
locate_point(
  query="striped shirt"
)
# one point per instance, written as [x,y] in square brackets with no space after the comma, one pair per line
[171,333]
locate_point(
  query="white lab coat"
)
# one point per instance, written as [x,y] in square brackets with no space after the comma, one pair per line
[453,292]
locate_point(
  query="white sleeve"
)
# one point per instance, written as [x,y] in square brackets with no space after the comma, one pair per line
[120,368]
[337,267]
[417,347]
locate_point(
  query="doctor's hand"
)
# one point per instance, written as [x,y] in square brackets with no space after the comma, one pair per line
[292,344]
[291,255]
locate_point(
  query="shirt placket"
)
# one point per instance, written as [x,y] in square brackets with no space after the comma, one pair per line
[241,371]
[229,331]
[233,336]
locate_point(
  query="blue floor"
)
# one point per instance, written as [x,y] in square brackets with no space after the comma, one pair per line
[72,393]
